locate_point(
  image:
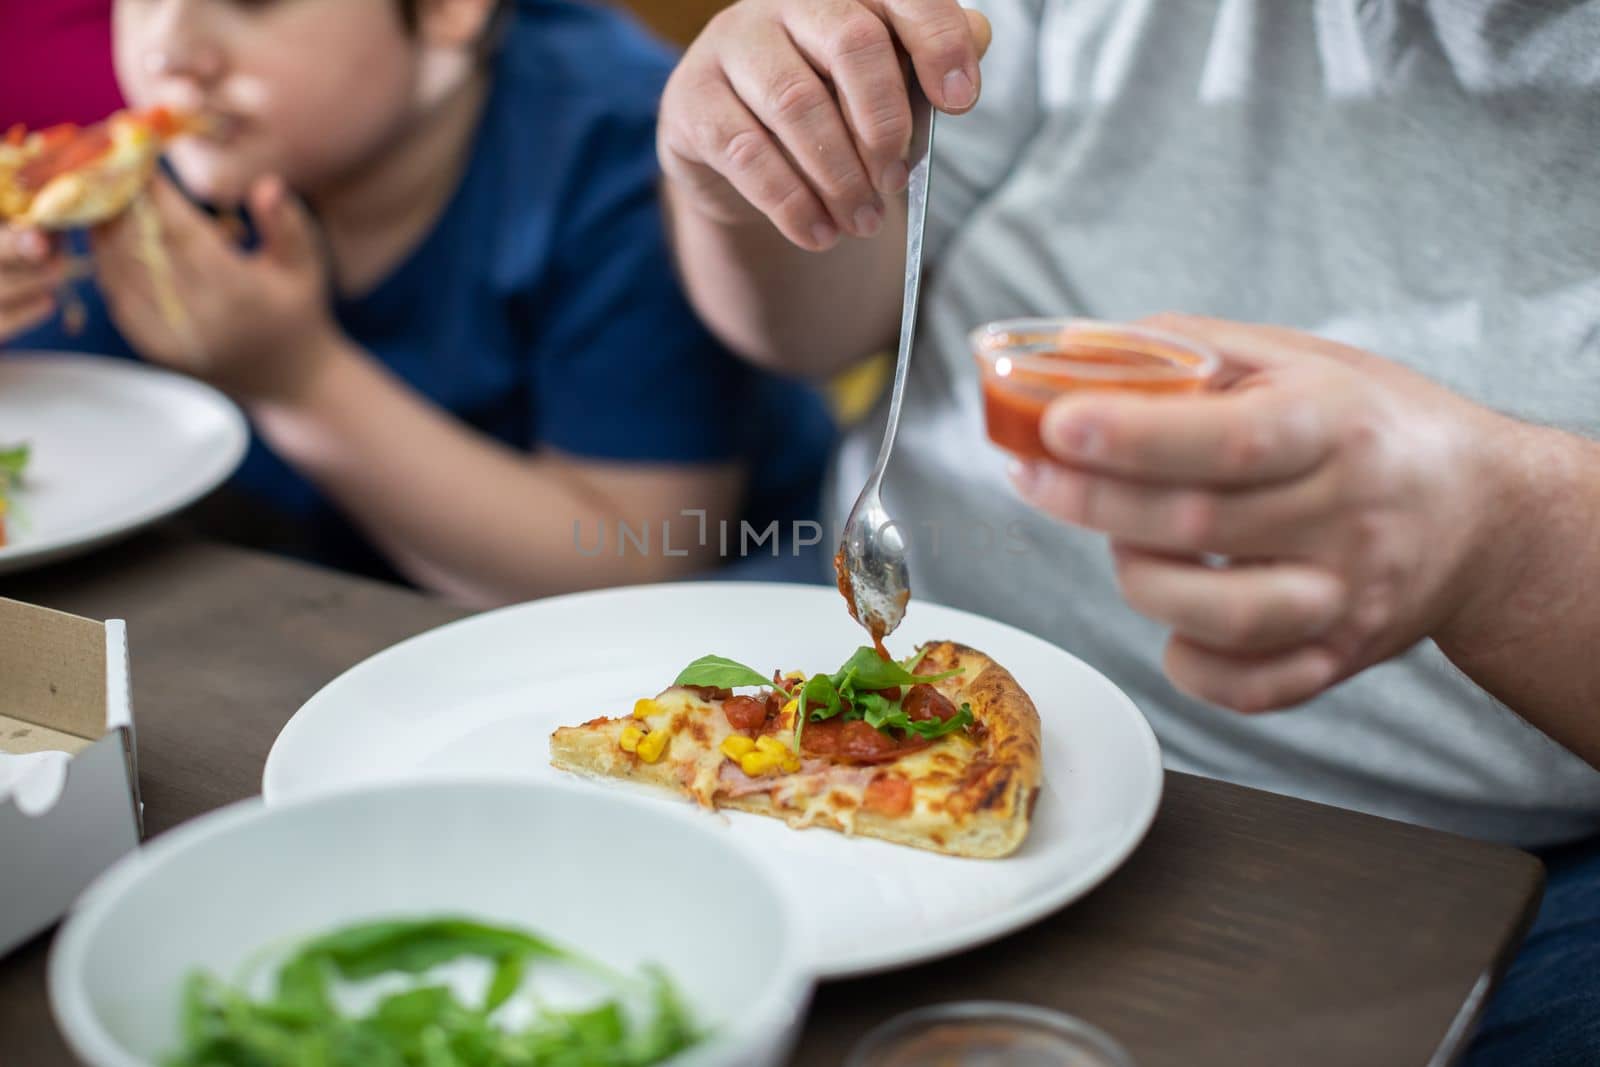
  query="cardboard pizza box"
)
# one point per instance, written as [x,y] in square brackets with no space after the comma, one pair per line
[69,781]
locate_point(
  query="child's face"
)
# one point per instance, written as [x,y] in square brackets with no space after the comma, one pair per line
[310,90]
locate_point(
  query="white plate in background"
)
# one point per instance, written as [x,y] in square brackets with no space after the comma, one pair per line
[116,445]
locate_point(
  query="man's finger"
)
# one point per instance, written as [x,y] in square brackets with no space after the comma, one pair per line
[1249,437]
[856,51]
[1256,344]
[1244,609]
[739,149]
[792,101]
[944,51]
[1288,519]
[1250,684]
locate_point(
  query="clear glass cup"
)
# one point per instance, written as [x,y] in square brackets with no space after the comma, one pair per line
[1024,364]
[987,1034]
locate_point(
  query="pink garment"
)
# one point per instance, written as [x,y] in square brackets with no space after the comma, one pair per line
[55,62]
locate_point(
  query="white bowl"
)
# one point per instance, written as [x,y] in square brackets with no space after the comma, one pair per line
[622,880]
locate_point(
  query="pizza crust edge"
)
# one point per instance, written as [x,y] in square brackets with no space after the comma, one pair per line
[998,804]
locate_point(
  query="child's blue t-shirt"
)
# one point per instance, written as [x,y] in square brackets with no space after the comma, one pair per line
[542,308]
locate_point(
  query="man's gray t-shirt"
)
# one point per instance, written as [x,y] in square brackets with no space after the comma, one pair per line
[1415,177]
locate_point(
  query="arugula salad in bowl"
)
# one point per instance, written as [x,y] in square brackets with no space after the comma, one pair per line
[436,924]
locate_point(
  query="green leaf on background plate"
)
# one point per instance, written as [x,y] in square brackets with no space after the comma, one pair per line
[12,462]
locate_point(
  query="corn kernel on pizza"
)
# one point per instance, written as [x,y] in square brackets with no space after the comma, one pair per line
[940,751]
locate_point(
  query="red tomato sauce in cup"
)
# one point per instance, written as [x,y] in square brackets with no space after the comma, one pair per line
[1024,364]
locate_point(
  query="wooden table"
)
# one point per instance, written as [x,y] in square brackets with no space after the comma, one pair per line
[1248,928]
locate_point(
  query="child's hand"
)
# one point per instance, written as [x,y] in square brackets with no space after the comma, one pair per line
[254,324]
[32,268]
[799,110]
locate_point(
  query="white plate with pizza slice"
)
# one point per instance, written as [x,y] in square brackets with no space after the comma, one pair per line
[483,696]
[113,445]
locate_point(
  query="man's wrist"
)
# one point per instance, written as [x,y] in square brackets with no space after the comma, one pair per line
[1537,492]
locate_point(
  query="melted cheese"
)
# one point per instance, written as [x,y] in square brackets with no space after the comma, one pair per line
[700,759]
[831,797]
[936,770]
[163,279]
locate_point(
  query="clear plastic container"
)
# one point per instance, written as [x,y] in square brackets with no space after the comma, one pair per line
[987,1034]
[1024,364]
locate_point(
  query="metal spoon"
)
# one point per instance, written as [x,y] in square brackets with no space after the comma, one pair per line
[872,551]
